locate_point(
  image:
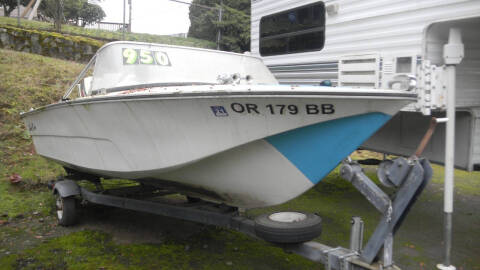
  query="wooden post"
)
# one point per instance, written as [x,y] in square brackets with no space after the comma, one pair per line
[27,8]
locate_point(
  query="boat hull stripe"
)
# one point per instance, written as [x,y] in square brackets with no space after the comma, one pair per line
[317,149]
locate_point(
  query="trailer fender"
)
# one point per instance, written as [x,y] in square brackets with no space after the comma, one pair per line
[66,188]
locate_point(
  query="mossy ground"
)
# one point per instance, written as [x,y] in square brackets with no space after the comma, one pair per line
[97,250]
[109,35]
[118,239]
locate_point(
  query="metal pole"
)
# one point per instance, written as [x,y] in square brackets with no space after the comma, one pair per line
[18,13]
[123,26]
[452,53]
[219,33]
[129,16]
[449,163]
[356,234]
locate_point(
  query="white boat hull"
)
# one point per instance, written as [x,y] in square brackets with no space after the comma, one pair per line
[249,148]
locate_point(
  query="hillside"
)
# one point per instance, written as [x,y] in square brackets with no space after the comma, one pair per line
[108,35]
[27,81]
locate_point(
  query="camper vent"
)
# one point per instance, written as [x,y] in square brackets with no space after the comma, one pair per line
[306,74]
[387,67]
[359,71]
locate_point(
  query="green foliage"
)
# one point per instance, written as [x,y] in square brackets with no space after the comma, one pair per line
[234,27]
[74,11]
[91,13]
[10,5]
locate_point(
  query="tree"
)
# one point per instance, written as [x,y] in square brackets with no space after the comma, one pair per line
[74,11]
[91,13]
[71,10]
[235,24]
[10,5]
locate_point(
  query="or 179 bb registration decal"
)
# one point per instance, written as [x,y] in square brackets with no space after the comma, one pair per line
[274,109]
[144,57]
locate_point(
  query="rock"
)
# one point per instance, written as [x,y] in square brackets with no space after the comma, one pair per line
[235,249]
[205,246]
[87,49]
[77,56]
[34,40]
[4,38]
[229,263]
[187,248]
[41,220]
[68,42]
[36,213]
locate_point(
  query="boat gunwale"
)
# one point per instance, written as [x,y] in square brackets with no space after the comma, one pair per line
[118,97]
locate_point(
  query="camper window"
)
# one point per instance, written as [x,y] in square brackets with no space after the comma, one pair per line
[296,30]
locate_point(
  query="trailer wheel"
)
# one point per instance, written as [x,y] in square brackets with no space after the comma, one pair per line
[288,227]
[66,210]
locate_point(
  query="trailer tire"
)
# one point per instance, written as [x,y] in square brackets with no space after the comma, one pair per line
[288,227]
[66,210]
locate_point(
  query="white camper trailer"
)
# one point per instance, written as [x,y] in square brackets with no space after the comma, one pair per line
[383,44]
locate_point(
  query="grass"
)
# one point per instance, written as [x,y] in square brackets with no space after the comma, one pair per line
[109,35]
[96,250]
[19,200]
[28,81]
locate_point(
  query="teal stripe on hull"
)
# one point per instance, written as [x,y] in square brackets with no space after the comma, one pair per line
[317,149]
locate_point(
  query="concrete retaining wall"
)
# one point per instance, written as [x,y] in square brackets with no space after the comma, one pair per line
[46,43]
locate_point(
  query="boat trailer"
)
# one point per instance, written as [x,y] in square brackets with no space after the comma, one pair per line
[410,176]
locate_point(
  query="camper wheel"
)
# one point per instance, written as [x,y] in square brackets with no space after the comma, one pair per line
[288,227]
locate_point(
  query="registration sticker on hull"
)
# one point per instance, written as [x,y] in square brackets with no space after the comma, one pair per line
[219,111]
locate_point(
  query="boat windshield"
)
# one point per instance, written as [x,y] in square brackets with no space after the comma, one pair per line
[120,65]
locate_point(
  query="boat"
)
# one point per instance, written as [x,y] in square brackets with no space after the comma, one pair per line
[214,125]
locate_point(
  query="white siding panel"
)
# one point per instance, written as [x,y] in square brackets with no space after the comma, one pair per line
[389,26]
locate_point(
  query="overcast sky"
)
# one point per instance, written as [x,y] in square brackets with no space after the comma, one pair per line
[150,16]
